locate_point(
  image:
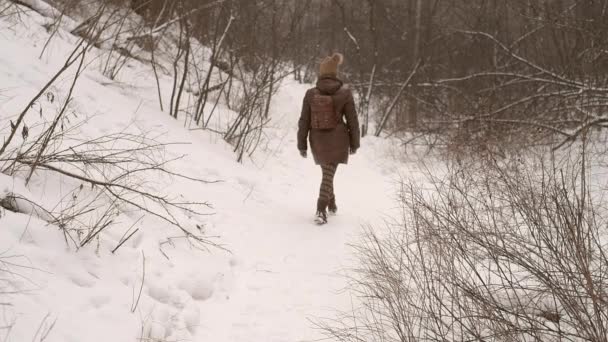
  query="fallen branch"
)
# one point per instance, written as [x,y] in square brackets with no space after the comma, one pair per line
[158,29]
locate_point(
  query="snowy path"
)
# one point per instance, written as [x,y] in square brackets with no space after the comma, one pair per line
[288,267]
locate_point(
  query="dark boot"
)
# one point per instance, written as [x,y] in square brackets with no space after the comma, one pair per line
[333,209]
[321,211]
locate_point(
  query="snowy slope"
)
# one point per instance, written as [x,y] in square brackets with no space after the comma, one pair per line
[277,270]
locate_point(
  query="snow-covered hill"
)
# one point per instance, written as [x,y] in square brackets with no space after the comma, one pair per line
[273,270]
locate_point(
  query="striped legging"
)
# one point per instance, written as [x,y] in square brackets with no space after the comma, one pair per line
[327,183]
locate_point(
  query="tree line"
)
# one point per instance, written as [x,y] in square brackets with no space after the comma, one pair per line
[446,72]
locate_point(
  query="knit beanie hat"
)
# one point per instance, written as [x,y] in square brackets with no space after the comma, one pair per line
[329,65]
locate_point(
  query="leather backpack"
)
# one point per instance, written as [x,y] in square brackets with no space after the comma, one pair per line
[322,112]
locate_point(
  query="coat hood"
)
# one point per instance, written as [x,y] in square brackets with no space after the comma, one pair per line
[329,85]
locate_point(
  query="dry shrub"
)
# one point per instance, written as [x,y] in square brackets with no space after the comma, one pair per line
[494,252]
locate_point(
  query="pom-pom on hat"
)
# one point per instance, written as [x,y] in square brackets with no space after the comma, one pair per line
[329,65]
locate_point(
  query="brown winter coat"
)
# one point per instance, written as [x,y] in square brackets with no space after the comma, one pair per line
[330,146]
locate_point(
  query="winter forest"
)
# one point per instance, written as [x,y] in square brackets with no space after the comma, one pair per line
[303,170]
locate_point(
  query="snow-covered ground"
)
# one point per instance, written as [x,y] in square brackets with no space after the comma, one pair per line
[277,270]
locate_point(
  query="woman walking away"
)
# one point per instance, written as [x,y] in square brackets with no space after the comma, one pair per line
[331,138]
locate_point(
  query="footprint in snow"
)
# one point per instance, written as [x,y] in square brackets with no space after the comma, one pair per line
[199,289]
[99,301]
[82,279]
[159,294]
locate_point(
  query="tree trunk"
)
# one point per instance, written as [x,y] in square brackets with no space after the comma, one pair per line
[412,119]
